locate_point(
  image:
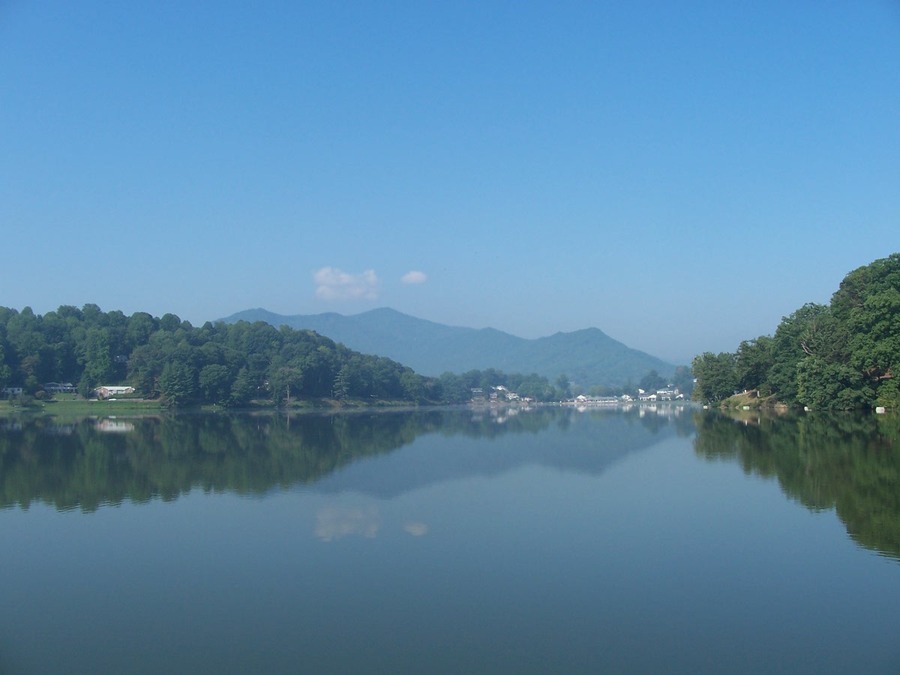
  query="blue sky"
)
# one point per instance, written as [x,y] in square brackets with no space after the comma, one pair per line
[680,175]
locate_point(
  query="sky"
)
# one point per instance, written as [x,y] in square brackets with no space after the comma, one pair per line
[679,175]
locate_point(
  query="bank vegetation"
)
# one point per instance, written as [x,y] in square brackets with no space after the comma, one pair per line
[840,356]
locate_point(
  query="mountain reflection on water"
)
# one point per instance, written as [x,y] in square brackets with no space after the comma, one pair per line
[93,462]
[850,463]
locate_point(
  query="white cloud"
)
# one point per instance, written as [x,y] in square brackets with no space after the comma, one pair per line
[414,277]
[334,284]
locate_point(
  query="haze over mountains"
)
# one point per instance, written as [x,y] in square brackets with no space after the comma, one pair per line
[588,357]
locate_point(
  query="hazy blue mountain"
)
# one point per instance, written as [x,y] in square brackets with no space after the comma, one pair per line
[587,356]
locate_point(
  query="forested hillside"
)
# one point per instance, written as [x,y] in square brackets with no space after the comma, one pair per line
[587,357]
[225,364]
[839,356]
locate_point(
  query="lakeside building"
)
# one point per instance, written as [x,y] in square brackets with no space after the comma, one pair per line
[59,387]
[105,391]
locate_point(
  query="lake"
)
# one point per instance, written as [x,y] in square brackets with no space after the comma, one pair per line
[650,540]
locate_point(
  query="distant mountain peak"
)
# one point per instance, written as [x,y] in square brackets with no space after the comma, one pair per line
[587,356]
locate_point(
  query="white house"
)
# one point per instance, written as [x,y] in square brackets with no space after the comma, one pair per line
[105,391]
[59,387]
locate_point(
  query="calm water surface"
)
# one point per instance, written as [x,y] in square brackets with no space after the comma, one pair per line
[451,541]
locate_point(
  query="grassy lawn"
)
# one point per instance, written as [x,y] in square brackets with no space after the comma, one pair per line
[74,405]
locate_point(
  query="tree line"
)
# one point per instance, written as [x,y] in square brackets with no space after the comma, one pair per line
[216,363]
[839,356]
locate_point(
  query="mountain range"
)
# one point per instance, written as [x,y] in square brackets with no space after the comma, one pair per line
[587,357]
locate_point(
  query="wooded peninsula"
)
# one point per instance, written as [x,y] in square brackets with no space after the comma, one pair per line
[840,356]
[231,365]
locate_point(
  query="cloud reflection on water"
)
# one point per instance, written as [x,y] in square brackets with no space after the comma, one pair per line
[334,522]
[337,522]
[415,528]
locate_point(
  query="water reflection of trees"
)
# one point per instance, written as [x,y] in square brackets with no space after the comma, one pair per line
[847,462]
[85,463]
[77,465]
[89,462]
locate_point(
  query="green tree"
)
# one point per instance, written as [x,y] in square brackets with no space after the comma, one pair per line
[875,341]
[793,341]
[25,339]
[86,385]
[652,381]
[286,381]
[341,387]
[683,379]
[242,389]
[169,323]
[5,372]
[888,393]
[413,386]
[96,357]
[453,388]
[564,386]
[752,364]
[826,385]
[716,377]
[178,383]
[215,383]
[139,328]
